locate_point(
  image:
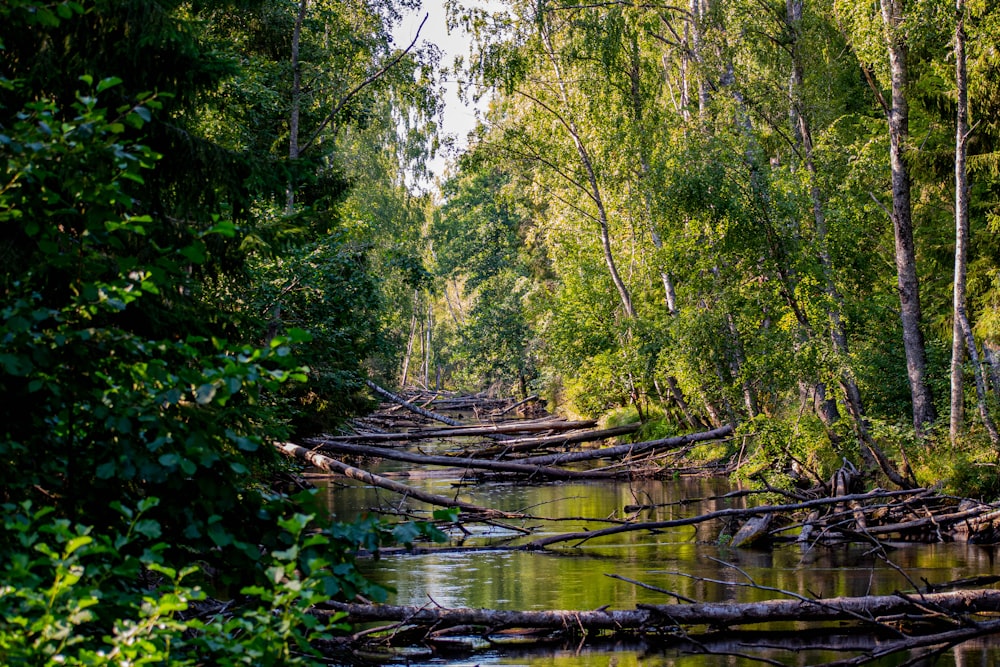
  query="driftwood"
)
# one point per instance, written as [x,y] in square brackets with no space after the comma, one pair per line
[932,607]
[456,462]
[333,465]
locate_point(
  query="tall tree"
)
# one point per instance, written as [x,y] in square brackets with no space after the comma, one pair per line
[898,115]
[962,336]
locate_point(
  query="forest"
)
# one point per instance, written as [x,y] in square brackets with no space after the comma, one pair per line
[220,235]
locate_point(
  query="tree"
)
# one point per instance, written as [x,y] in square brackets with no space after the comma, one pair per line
[897,113]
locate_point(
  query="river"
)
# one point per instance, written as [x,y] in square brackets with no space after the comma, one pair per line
[693,562]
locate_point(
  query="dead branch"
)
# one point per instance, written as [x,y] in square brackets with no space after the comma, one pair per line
[332,465]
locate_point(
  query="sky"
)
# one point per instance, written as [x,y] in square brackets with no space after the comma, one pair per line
[459,118]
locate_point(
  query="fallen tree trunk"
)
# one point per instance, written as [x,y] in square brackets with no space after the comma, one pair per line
[456,462]
[533,397]
[583,536]
[650,617]
[520,444]
[630,449]
[471,430]
[333,465]
[410,406]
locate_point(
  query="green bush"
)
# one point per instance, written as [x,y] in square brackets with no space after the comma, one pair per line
[74,596]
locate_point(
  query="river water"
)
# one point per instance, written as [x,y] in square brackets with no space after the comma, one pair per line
[694,562]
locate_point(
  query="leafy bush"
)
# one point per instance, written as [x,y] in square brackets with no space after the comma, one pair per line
[73,596]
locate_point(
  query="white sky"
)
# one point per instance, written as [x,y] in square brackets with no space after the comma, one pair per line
[458,119]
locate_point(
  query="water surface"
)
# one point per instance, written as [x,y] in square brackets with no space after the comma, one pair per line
[693,562]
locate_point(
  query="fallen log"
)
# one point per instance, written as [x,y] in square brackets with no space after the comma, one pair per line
[521,444]
[410,406]
[470,430]
[630,449]
[333,465]
[533,397]
[583,536]
[456,462]
[660,617]
[938,522]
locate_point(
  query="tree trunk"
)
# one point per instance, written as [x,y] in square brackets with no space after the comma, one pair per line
[333,465]
[427,346]
[296,106]
[409,341]
[865,609]
[595,189]
[977,370]
[991,356]
[696,47]
[460,430]
[902,221]
[961,228]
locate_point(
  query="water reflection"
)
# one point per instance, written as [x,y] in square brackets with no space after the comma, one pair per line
[691,561]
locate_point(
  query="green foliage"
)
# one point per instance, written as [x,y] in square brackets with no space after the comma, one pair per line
[142,383]
[327,291]
[100,412]
[72,595]
[782,450]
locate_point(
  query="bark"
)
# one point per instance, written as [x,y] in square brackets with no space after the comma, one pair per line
[838,334]
[427,345]
[902,221]
[696,49]
[538,466]
[669,293]
[523,401]
[536,471]
[668,616]
[410,406]
[992,359]
[961,227]
[522,444]
[409,341]
[473,430]
[333,465]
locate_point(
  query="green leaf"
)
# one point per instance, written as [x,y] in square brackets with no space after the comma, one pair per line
[170,603]
[220,535]
[405,533]
[449,514]
[106,470]
[15,365]
[148,527]
[169,460]
[77,542]
[109,82]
